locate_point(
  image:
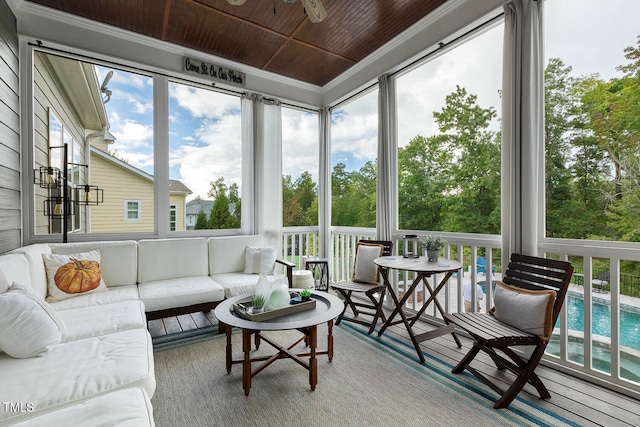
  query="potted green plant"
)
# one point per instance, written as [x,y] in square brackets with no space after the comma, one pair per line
[257,303]
[305,295]
[432,246]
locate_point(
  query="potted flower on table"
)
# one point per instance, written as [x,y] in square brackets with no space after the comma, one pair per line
[432,246]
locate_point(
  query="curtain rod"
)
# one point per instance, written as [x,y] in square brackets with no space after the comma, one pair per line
[441,46]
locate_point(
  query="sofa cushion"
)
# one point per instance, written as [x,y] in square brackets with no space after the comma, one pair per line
[37,274]
[110,296]
[227,254]
[78,370]
[5,284]
[16,268]
[28,326]
[127,407]
[164,259]
[85,322]
[239,283]
[181,292]
[118,259]
[72,275]
[260,260]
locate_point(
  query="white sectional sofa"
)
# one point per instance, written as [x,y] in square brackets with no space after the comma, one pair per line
[101,369]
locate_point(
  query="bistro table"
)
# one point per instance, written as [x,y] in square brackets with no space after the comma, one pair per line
[423,269]
[327,308]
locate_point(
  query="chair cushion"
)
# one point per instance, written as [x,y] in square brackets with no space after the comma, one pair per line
[260,260]
[113,295]
[364,269]
[528,310]
[29,327]
[72,275]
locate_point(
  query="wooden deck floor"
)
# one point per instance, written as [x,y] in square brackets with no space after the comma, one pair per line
[575,399]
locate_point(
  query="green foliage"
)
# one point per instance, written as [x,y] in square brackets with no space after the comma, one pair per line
[257,301]
[305,293]
[201,221]
[433,243]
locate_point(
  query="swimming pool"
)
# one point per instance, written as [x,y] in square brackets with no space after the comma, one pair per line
[601,319]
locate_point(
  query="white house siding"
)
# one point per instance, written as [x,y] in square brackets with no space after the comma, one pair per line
[10,212]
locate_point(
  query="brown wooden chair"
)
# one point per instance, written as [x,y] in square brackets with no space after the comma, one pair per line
[528,280]
[365,280]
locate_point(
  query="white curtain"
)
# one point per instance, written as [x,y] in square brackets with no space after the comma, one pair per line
[268,167]
[522,128]
[324,184]
[386,179]
[248,191]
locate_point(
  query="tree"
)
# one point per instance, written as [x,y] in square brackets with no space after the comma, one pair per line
[451,181]
[201,221]
[220,215]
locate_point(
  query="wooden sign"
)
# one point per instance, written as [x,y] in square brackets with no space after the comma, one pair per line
[214,72]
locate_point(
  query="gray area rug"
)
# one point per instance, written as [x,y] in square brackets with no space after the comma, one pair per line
[371,382]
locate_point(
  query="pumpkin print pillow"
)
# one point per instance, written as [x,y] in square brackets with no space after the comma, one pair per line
[72,275]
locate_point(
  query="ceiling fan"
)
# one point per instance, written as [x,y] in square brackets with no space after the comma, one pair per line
[314,8]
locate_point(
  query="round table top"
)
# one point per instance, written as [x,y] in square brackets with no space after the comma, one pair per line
[421,265]
[327,307]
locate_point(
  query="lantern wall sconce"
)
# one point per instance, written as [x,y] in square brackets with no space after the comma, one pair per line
[410,246]
[62,202]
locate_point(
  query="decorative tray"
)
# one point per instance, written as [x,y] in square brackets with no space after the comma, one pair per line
[243,309]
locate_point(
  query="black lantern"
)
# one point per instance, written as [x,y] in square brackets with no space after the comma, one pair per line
[410,246]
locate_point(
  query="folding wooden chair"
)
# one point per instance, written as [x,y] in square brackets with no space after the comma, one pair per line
[524,314]
[365,280]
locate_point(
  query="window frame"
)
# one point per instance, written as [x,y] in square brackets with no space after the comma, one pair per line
[127,210]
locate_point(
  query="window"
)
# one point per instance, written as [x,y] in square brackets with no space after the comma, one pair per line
[205,157]
[354,142]
[591,130]
[300,159]
[449,139]
[107,128]
[172,217]
[132,210]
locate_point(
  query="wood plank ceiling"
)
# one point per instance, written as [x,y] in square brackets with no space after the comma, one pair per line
[284,42]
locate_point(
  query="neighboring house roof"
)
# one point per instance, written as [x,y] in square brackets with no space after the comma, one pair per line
[175,186]
[194,206]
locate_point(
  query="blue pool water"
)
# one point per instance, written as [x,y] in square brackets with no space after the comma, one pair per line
[601,320]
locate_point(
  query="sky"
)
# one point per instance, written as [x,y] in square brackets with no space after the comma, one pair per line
[204,127]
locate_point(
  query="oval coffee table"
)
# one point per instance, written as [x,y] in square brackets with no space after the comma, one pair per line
[327,308]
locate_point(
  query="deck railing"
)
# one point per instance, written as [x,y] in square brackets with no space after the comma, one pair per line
[580,344]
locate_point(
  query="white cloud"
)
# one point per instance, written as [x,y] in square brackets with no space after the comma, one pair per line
[300,145]
[201,102]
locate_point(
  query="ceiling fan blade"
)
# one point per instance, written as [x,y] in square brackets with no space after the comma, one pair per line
[315,10]
[237,2]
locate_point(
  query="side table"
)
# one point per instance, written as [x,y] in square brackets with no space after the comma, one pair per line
[320,269]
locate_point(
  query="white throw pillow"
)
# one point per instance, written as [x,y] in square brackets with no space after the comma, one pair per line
[260,260]
[364,269]
[73,275]
[28,325]
[528,310]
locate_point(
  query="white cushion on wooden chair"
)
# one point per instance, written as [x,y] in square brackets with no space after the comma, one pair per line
[364,269]
[528,310]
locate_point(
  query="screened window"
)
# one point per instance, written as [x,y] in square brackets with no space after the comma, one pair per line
[205,155]
[449,139]
[300,160]
[354,141]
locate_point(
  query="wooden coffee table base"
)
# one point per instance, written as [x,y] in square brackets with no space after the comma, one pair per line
[310,336]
